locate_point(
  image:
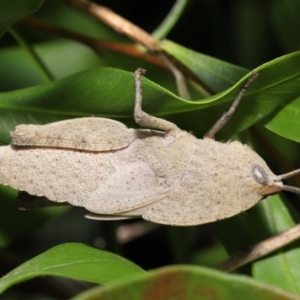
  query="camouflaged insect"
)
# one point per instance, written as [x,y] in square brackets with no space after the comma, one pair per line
[164,174]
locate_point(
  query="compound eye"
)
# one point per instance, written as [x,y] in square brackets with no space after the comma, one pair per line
[259,174]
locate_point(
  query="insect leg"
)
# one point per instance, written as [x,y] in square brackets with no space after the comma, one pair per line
[228,114]
[140,116]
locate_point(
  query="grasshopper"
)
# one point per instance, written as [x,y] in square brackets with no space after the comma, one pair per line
[162,174]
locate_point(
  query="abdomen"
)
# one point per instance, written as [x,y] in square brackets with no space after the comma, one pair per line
[58,174]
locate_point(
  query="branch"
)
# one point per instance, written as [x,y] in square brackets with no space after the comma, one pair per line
[259,250]
[116,22]
[96,44]
[135,33]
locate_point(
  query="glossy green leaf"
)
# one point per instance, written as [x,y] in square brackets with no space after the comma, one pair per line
[215,73]
[11,11]
[187,282]
[76,261]
[280,269]
[107,92]
[287,121]
[18,71]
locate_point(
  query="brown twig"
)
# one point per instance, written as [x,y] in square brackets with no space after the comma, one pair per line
[116,22]
[259,250]
[123,26]
[135,33]
[96,44]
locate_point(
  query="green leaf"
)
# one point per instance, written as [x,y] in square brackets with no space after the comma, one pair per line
[287,121]
[107,92]
[266,219]
[11,11]
[187,282]
[76,261]
[215,73]
[281,268]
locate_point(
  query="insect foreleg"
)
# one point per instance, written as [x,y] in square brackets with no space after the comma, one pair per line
[228,114]
[143,118]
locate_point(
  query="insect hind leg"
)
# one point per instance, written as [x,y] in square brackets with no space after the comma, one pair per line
[142,117]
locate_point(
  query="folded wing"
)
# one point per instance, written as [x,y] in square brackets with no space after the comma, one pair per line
[90,134]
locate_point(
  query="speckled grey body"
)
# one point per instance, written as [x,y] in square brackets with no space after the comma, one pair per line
[166,176]
[170,179]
